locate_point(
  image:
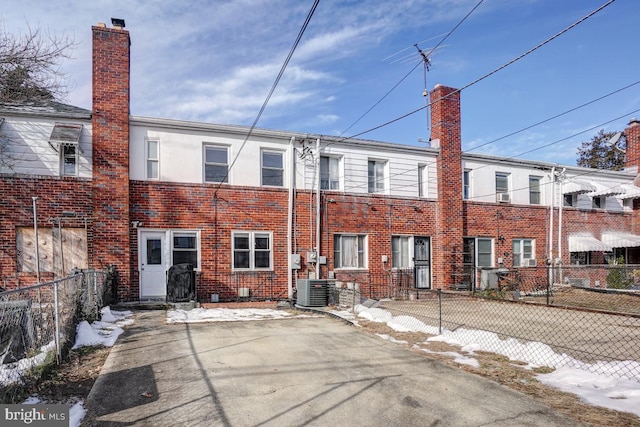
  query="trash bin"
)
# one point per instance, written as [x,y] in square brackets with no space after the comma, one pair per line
[181,283]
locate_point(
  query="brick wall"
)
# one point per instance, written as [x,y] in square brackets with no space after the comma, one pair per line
[446,127]
[110,122]
[55,195]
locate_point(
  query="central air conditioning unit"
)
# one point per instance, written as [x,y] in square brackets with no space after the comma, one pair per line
[504,198]
[531,262]
[312,293]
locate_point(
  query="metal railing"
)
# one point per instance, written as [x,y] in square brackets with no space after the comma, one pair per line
[38,324]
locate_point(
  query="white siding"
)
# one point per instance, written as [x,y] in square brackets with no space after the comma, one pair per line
[28,150]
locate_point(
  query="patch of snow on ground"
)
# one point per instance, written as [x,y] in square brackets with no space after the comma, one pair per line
[457,357]
[391,339]
[613,390]
[104,332]
[199,315]
[76,410]
[12,373]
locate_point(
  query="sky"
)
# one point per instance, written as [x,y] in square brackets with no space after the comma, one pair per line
[215,61]
[570,375]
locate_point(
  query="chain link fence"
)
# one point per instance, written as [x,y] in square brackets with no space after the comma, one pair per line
[585,317]
[38,325]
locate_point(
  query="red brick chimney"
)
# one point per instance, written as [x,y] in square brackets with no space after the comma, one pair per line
[446,128]
[110,122]
[632,133]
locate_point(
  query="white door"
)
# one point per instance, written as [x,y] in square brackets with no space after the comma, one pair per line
[153,279]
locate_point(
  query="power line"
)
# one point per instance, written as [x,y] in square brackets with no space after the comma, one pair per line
[412,69]
[273,88]
[519,57]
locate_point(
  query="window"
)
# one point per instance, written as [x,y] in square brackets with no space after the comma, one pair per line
[216,164]
[502,183]
[69,160]
[251,250]
[272,168]
[349,251]
[466,184]
[153,159]
[598,203]
[523,251]
[534,190]
[580,258]
[569,200]
[485,252]
[376,176]
[329,173]
[401,251]
[185,248]
[422,181]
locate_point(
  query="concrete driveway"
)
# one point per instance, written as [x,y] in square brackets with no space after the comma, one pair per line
[295,372]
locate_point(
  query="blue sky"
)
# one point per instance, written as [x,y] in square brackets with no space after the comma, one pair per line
[215,61]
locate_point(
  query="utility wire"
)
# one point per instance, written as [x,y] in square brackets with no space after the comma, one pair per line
[273,88]
[412,70]
[533,49]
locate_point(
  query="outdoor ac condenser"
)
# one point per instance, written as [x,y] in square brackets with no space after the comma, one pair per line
[312,293]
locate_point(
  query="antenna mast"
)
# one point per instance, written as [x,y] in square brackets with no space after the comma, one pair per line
[426,63]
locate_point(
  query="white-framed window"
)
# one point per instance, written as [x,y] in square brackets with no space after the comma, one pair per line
[422,180]
[466,184]
[484,252]
[401,251]
[376,175]
[252,250]
[523,252]
[598,202]
[534,190]
[216,163]
[272,168]
[68,160]
[329,173]
[153,158]
[350,251]
[570,200]
[580,258]
[502,184]
[185,248]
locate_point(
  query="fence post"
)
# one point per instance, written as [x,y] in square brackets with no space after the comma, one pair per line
[56,303]
[439,311]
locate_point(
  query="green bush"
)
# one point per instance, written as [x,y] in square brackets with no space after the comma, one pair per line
[619,277]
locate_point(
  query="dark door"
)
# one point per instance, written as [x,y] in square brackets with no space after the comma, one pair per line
[422,262]
[469,262]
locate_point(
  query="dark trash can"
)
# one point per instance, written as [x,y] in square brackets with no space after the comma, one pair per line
[181,283]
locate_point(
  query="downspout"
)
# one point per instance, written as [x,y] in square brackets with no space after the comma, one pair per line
[35,231]
[551,208]
[317,207]
[292,180]
[560,218]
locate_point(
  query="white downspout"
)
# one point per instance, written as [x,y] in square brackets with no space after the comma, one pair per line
[317,207]
[553,202]
[292,180]
[560,217]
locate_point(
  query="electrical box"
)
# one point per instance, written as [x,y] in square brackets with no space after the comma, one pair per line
[312,257]
[295,261]
[385,258]
[322,260]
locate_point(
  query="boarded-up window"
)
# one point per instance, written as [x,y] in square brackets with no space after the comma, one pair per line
[58,257]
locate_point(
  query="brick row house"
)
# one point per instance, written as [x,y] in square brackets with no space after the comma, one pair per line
[142,194]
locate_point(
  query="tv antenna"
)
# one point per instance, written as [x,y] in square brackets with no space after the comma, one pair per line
[426,64]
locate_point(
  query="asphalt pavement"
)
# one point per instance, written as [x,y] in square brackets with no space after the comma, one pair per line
[312,371]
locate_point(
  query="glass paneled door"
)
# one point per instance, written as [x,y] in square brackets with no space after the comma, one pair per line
[153,279]
[422,262]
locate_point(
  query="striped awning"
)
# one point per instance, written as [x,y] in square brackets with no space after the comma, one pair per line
[577,187]
[606,190]
[621,240]
[587,243]
[631,192]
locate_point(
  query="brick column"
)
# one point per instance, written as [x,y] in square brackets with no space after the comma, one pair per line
[632,133]
[110,184]
[447,245]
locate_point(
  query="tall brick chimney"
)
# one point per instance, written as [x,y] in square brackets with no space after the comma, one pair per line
[445,127]
[632,132]
[110,122]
